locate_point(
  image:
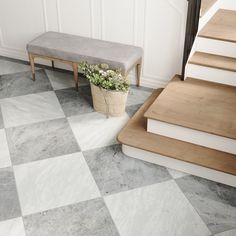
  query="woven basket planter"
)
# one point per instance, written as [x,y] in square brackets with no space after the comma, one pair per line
[111,103]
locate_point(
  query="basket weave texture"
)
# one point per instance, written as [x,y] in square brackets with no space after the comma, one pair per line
[111,103]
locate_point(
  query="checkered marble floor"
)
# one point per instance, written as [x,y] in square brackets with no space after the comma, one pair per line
[63,173]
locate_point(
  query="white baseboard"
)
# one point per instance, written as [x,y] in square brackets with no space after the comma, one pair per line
[210,74]
[183,166]
[22,55]
[192,136]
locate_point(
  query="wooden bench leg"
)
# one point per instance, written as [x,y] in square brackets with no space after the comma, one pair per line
[31,60]
[138,71]
[53,66]
[76,77]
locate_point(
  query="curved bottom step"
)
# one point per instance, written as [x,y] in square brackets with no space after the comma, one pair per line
[183,166]
[176,154]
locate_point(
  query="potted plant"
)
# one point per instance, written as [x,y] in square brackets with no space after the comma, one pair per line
[109,88]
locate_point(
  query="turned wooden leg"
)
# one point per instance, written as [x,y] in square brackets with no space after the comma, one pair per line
[76,77]
[53,66]
[138,71]
[31,60]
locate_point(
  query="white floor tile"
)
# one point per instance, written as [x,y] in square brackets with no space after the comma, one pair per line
[54,182]
[30,109]
[94,130]
[160,209]
[5,160]
[13,227]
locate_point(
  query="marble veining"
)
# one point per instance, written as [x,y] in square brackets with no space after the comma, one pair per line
[48,186]
[62,80]
[75,102]
[22,84]
[30,109]
[215,203]
[89,128]
[39,141]
[131,110]
[115,172]
[8,67]
[227,233]
[9,203]
[160,209]
[138,95]
[4,152]
[12,227]
[54,182]
[176,174]
[90,218]
[1,119]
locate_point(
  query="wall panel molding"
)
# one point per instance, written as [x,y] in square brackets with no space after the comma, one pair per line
[179,19]
[129,21]
[1,39]
[45,15]
[102,18]
[58,6]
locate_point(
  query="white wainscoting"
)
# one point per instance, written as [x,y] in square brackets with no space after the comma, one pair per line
[156,25]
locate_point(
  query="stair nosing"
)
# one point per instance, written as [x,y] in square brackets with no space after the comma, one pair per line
[213,66]
[216,38]
[216,157]
[149,115]
[215,22]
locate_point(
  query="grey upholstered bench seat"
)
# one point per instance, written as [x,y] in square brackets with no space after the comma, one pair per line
[75,49]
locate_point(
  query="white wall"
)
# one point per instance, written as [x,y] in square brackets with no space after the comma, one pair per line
[156,25]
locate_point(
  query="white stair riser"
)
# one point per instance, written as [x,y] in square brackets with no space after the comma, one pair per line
[211,74]
[208,15]
[217,47]
[192,136]
[183,166]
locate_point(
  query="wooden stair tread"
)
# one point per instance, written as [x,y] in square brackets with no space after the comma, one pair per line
[198,105]
[213,61]
[222,26]
[176,149]
[206,5]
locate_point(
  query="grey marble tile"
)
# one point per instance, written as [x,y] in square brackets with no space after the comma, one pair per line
[30,109]
[215,203]
[9,67]
[22,84]
[1,119]
[12,227]
[115,172]
[62,80]
[156,210]
[40,141]
[89,218]
[75,102]
[227,233]
[9,203]
[138,95]
[176,174]
[54,182]
[131,110]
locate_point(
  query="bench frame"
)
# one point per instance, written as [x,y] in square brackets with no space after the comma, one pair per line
[74,65]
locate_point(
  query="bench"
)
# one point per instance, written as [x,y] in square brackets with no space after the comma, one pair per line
[73,50]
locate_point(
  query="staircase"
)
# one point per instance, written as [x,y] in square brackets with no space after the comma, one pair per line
[191,125]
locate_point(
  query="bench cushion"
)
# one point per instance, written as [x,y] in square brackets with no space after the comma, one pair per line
[77,49]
